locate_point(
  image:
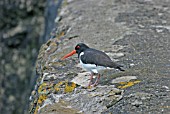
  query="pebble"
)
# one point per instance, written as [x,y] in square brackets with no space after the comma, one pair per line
[136,103]
[132,64]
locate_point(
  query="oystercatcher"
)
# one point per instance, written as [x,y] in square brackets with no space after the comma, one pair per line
[93,60]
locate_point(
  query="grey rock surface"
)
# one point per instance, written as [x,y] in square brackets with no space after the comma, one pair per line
[138,29]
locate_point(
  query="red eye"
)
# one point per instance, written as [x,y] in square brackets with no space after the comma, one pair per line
[77,47]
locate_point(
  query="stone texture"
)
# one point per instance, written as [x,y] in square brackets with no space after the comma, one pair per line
[137,29]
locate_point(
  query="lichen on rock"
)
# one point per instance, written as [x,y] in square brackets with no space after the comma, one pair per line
[126,37]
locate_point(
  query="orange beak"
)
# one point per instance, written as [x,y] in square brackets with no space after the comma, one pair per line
[69,54]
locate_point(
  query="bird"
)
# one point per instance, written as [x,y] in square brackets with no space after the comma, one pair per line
[93,60]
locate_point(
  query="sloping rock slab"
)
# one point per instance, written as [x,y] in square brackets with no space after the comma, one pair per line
[87,101]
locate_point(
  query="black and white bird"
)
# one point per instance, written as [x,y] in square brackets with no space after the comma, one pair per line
[93,61]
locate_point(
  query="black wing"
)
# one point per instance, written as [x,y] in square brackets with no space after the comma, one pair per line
[99,58]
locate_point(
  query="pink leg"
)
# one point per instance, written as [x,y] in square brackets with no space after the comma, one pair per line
[91,78]
[97,80]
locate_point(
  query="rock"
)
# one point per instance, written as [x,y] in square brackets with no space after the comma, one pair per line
[124,79]
[132,64]
[116,55]
[136,103]
[92,101]
[82,79]
[61,107]
[97,100]
[129,29]
[166,87]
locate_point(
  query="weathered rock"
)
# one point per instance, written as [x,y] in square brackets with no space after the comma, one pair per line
[124,79]
[136,103]
[126,28]
[82,79]
[94,100]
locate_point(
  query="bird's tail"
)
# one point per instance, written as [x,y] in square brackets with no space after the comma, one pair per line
[116,66]
[119,67]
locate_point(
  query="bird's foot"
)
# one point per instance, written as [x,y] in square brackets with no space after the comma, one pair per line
[97,81]
[92,85]
[95,84]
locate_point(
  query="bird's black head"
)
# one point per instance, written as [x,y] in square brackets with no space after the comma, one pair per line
[80,47]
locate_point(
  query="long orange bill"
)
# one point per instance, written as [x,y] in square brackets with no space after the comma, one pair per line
[69,54]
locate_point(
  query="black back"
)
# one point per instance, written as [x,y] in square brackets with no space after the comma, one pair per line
[99,58]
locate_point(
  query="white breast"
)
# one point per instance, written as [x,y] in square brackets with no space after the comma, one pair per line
[91,67]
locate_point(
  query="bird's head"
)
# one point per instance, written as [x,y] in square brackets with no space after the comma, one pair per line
[78,49]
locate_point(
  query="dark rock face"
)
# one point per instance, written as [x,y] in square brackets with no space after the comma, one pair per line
[21,25]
